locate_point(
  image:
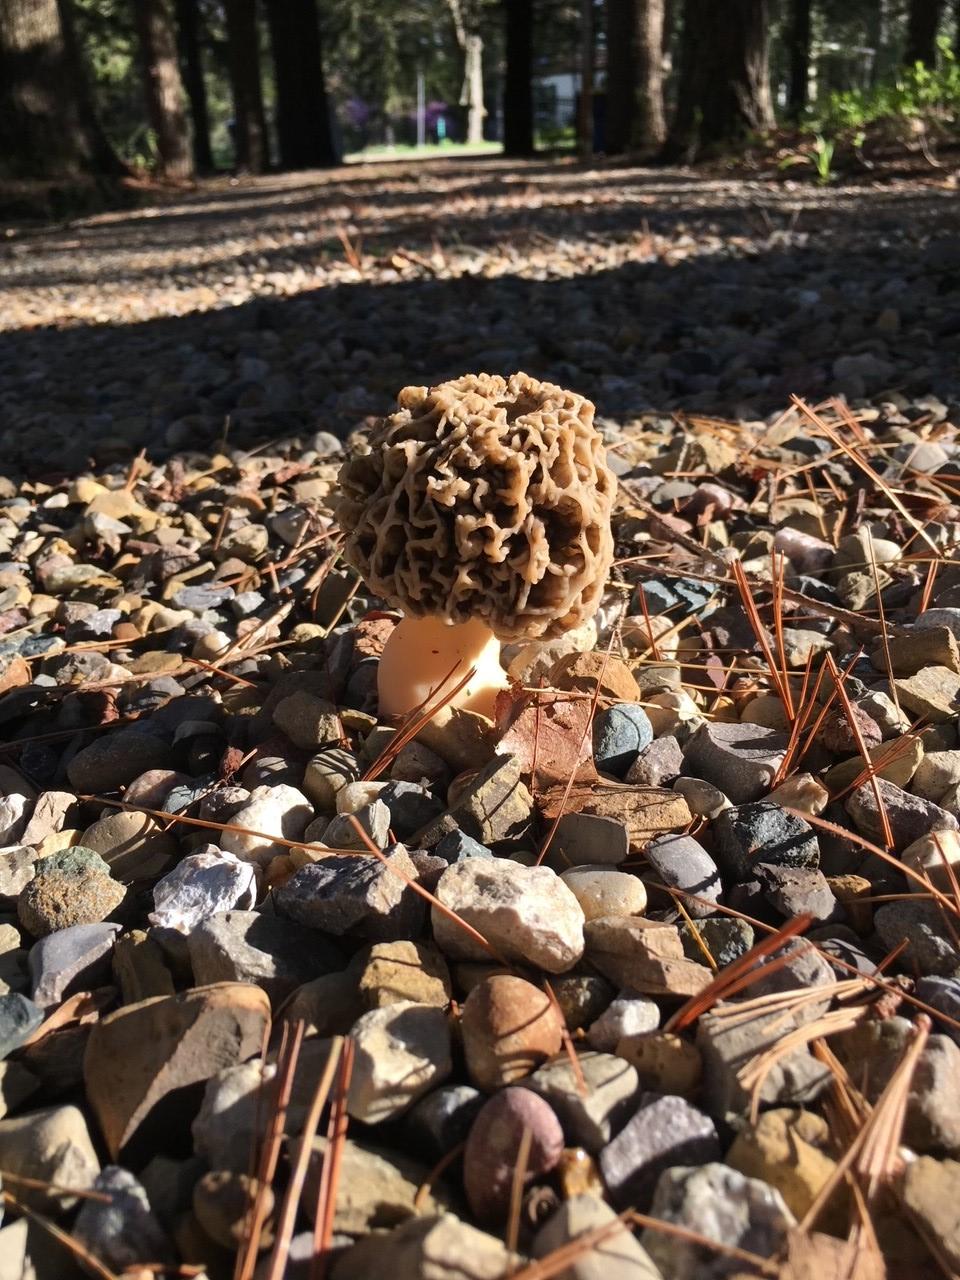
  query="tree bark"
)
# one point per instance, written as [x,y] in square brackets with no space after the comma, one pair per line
[250,125]
[518,80]
[621,75]
[163,88]
[724,88]
[189,26]
[585,105]
[923,23]
[303,114]
[471,95]
[798,37]
[48,128]
[651,127]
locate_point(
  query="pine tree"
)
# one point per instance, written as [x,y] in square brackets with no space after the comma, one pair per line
[303,114]
[249,121]
[163,88]
[518,80]
[47,124]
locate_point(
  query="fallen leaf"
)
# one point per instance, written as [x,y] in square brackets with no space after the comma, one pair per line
[551,737]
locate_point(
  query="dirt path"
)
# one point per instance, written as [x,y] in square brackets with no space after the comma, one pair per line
[654,288]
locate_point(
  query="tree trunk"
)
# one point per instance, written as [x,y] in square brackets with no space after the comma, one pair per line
[651,127]
[923,23]
[162,87]
[471,95]
[724,89]
[798,37]
[249,122]
[621,75]
[518,80]
[585,104]
[189,25]
[48,128]
[635,116]
[303,115]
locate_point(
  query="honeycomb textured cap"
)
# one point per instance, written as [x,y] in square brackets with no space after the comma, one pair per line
[484,498]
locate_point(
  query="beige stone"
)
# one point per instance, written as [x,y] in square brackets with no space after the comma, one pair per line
[787,1149]
[931,1191]
[934,856]
[802,792]
[848,889]
[665,1062]
[897,762]
[392,971]
[645,811]
[601,891]
[52,1145]
[131,844]
[643,955]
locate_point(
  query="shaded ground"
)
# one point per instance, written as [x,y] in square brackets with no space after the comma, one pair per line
[305,301]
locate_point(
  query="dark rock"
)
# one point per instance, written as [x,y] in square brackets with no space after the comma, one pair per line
[908,815]
[727,939]
[797,891]
[78,957]
[443,1118]
[248,946]
[931,947]
[355,896]
[456,846]
[19,1018]
[764,832]
[411,807]
[942,994]
[739,759]
[620,733]
[682,863]
[658,765]
[115,759]
[665,1131]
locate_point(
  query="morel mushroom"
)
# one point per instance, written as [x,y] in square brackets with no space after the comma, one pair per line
[482,510]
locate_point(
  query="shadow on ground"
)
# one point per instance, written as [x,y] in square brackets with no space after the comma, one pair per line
[645,290]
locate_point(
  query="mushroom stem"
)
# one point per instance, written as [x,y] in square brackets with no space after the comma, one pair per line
[421,652]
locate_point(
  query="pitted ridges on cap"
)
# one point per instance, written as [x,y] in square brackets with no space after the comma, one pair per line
[484,498]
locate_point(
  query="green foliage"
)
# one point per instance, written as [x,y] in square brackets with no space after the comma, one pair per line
[823,149]
[556,138]
[923,96]
[109,41]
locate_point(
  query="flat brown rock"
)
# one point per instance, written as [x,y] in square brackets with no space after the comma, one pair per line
[582,672]
[643,955]
[150,1053]
[644,811]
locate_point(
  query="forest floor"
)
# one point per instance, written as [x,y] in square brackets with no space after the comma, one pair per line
[755,738]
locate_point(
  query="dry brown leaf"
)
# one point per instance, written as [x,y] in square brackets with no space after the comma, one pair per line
[16,675]
[551,736]
[81,1008]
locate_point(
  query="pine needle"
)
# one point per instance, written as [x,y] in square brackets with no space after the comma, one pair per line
[873,1153]
[291,1199]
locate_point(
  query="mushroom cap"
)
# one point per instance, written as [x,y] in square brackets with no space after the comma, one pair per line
[484,498]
